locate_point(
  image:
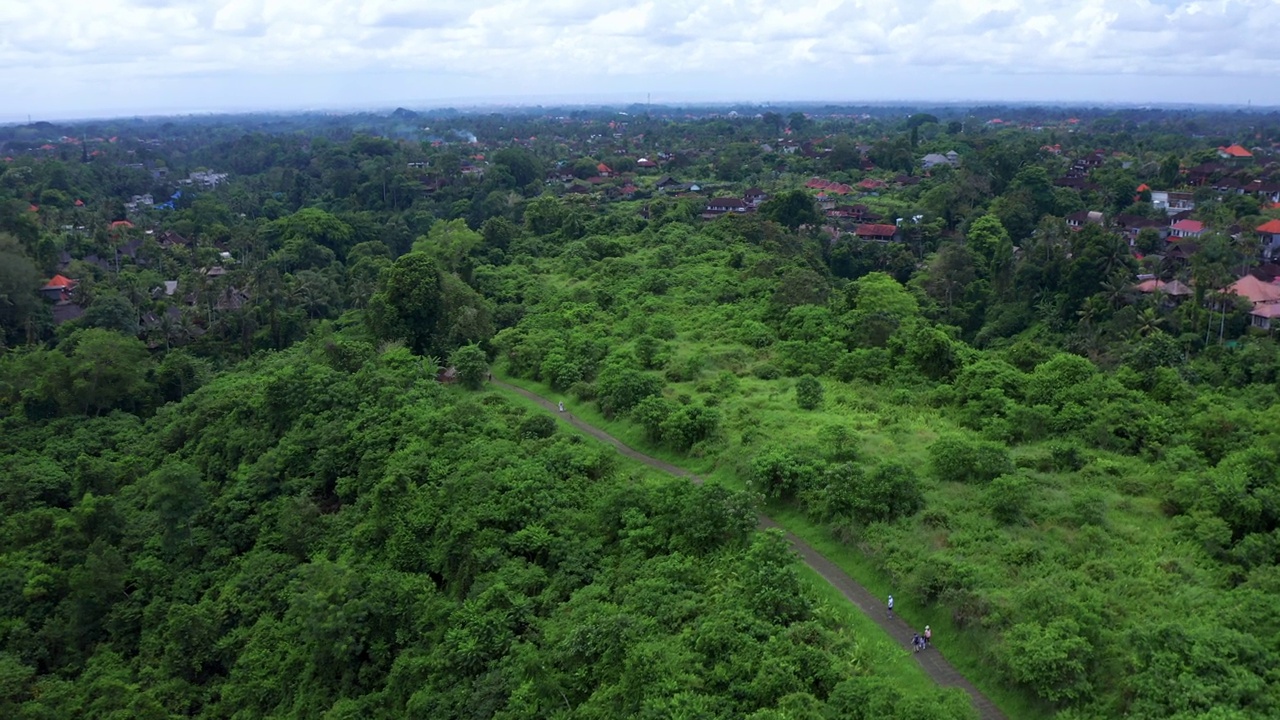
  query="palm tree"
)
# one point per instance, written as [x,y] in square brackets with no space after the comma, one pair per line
[1117,289]
[1149,322]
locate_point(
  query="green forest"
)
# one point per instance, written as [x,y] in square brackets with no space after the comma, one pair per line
[253,466]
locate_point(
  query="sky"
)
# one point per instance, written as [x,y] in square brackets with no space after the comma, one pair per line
[104,58]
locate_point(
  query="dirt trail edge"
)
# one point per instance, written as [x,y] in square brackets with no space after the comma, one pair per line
[935,666]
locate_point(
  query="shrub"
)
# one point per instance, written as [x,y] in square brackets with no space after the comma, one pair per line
[969,461]
[779,473]
[765,371]
[809,393]
[689,424]
[471,364]
[869,364]
[651,413]
[1049,659]
[537,426]
[889,492]
[1008,498]
[621,388]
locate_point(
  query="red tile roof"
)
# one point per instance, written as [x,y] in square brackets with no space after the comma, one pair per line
[59,282]
[1236,151]
[1194,226]
[1270,227]
[1256,290]
[121,223]
[876,230]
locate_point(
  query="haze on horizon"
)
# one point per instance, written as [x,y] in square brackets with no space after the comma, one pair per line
[135,57]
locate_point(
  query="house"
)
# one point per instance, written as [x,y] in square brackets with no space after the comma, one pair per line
[1268,191]
[1265,317]
[1176,290]
[646,163]
[1255,290]
[719,206]
[231,299]
[604,170]
[1265,297]
[1130,225]
[66,311]
[876,232]
[1186,229]
[170,239]
[58,288]
[754,196]
[666,183]
[1269,234]
[1234,153]
[1172,202]
[1078,220]
[207,178]
[933,160]
[1266,272]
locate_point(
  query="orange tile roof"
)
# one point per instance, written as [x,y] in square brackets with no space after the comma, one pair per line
[1236,151]
[59,281]
[1270,227]
[1255,290]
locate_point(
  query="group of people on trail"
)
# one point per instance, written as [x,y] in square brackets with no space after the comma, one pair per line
[921,642]
[918,642]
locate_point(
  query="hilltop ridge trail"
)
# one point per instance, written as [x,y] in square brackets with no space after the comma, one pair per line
[934,665]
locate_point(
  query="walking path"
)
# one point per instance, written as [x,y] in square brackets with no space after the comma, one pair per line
[935,666]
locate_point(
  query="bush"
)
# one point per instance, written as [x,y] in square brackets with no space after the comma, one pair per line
[969,461]
[765,371]
[1008,498]
[1049,659]
[537,427]
[891,491]
[869,364]
[778,473]
[472,365]
[809,393]
[651,413]
[621,388]
[689,424]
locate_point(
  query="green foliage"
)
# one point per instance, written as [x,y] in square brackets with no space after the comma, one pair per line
[891,491]
[779,473]
[1051,660]
[808,392]
[301,538]
[619,388]
[956,459]
[19,279]
[472,365]
[1008,498]
[791,209]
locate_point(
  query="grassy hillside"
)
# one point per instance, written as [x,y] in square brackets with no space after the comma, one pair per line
[1097,542]
[327,532]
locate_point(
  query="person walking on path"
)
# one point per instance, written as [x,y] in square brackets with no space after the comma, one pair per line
[928,636]
[561,406]
[889,612]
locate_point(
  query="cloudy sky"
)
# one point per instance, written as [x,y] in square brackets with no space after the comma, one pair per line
[78,58]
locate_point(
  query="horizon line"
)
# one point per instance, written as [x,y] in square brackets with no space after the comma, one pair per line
[471,103]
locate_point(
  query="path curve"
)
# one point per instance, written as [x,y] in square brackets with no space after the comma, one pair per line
[934,665]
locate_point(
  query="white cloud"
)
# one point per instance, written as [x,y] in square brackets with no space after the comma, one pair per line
[560,46]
